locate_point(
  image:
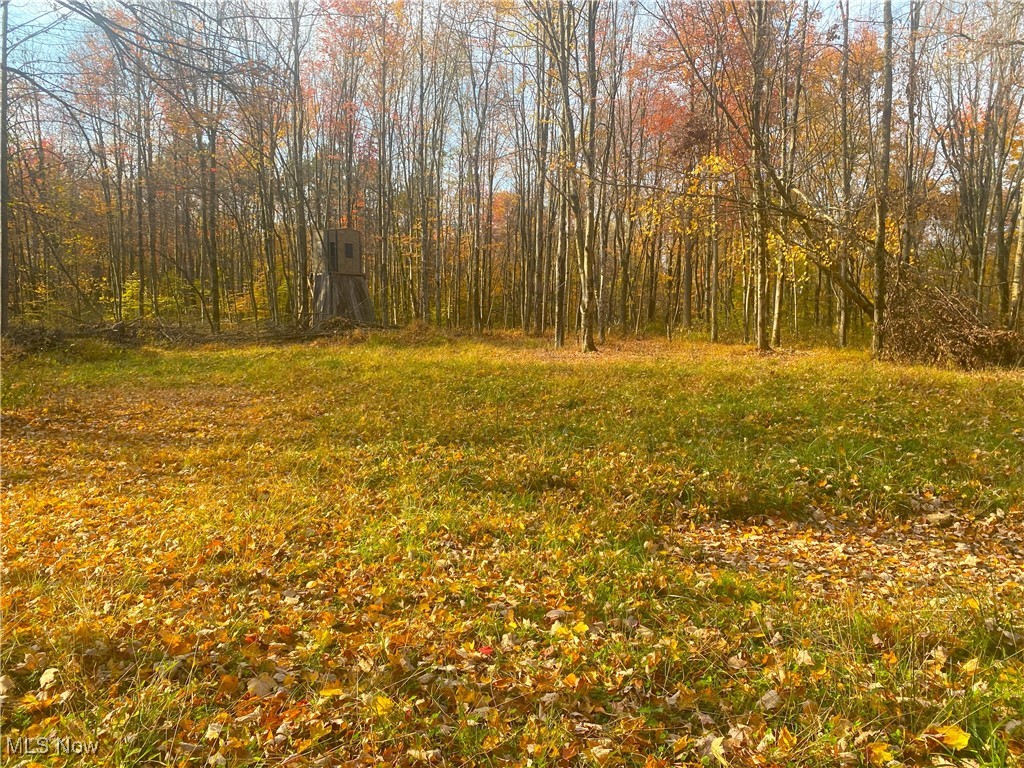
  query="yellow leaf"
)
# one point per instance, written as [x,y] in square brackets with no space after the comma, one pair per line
[878,753]
[332,692]
[718,750]
[424,755]
[228,685]
[953,736]
[786,740]
[382,705]
[492,741]
[970,666]
[571,680]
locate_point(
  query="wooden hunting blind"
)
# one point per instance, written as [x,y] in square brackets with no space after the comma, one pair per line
[339,283]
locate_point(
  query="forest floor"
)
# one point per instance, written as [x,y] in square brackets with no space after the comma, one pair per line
[401,551]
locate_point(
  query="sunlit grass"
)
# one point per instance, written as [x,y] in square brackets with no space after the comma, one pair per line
[489,551]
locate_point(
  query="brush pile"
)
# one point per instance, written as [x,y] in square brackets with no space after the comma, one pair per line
[926,324]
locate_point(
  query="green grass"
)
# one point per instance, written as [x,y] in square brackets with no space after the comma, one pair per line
[489,552]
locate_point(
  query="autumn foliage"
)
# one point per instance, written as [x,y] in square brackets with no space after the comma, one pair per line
[445,552]
[560,169]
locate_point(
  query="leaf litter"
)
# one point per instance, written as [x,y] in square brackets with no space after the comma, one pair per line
[225,574]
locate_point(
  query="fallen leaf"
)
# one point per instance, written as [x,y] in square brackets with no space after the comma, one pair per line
[786,740]
[718,750]
[382,705]
[424,755]
[228,685]
[48,678]
[261,686]
[770,700]
[878,753]
[491,741]
[952,736]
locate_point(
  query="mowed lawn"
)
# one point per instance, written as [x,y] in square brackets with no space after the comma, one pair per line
[452,552]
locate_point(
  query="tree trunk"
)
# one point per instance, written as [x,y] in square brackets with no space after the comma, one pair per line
[882,191]
[687,278]
[211,237]
[908,243]
[760,14]
[298,160]
[5,199]
[847,159]
[1015,312]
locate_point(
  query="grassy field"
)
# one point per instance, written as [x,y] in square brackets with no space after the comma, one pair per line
[399,551]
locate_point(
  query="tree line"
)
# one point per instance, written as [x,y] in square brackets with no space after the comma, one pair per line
[743,168]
